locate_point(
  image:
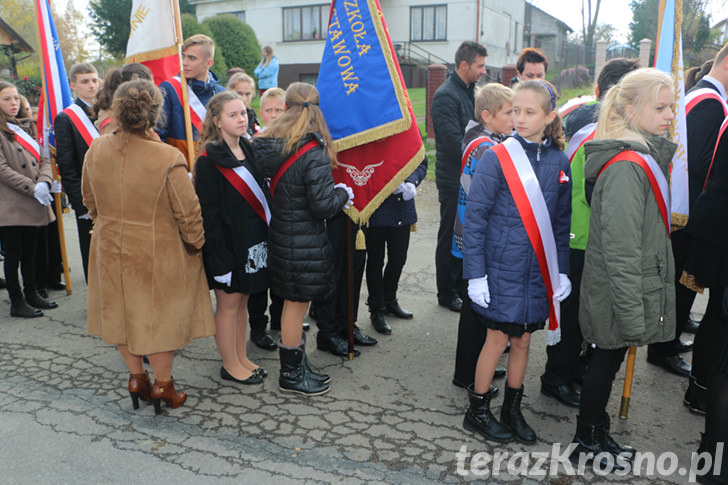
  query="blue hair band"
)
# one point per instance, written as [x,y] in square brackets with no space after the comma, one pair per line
[553,98]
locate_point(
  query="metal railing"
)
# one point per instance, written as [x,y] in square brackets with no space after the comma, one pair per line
[414,53]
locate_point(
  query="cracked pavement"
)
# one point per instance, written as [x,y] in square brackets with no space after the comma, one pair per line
[392,415]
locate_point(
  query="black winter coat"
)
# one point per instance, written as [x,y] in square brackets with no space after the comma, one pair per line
[71,149]
[453,106]
[235,235]
[300,259]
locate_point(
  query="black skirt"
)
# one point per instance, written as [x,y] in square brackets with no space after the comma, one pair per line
[513,329]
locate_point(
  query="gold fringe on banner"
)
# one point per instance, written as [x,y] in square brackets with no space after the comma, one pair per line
[688,281]
[394,127]
[151,55]
[678,221]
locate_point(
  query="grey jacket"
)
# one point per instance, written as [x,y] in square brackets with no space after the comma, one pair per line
[627,291]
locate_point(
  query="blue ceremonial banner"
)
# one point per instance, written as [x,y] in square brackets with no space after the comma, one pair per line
[358,75]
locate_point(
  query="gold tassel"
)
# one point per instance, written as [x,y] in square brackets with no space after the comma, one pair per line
[413,227]
[361,244]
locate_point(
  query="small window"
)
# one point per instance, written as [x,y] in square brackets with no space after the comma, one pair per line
[305,23]
[428,23]
[239,14]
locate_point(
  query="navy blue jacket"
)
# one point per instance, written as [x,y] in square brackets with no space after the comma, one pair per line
[395,211]
[495,241]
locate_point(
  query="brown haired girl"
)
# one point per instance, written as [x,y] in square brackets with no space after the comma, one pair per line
[304,195]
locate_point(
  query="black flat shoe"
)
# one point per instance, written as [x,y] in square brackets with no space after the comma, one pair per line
[380,323]
[393,308]
[264,341]
[334,344]
[674,364]
[261,372]
[565,393]
[360,338]
[692,326]
[255,378]
[454,304]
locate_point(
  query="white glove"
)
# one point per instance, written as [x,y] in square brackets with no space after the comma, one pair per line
[349,192]
[225,279]
[478,291]
[399,189]
[86,216]
[409,191]
[57,187]
[564,288]
[42,194]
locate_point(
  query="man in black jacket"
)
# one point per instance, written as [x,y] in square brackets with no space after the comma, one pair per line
[452,107]
[71,146]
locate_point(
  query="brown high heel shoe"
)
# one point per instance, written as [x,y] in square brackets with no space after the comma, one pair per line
[164,391]
[139,388]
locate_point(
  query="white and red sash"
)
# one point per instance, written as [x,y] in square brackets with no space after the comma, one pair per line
[578,139]
[82,123]
[197,109]
[698,95]
[244,182]
[26,141]
[471,148]
[721,131]
[658,181]
[527,194]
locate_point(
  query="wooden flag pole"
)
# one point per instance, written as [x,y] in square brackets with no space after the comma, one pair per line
[56,176]
[183,82]
[628,377]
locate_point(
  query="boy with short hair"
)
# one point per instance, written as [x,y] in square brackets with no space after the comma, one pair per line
[74,132]
[202,84]
[272,104]
[493,110]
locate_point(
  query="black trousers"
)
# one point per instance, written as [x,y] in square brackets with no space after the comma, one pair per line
[48,262]
[19,244]
[448,268]
[395,241]
[332,314]
[684,297]
[563,361]
[257,318]
[716,420]
[84,227]
[707,339]
[471,338]
[603,367]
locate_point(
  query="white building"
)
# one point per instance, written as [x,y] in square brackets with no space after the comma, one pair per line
[423,31]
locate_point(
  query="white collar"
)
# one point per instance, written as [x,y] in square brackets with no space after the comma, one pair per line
[718,85]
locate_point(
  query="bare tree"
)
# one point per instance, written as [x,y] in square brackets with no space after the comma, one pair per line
[589,23]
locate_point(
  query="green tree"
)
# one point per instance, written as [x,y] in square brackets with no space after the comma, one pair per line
[236,41]
[110,23]
[190,26]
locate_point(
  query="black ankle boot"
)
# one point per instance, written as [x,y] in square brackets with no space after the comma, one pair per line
[513,419]
[379,321]
[35,300]
[591,440]
[612,446]
[19,308]
[480,419]
[294,376]
[313,371]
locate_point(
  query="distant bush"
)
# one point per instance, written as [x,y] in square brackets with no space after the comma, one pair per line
[190,26]
[30,87]
[236,41]
[572,77]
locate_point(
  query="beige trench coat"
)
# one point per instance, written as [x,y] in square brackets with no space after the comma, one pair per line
[146,283]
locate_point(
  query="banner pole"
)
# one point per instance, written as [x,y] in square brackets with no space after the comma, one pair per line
[52,160]
[183,82]
[350,286]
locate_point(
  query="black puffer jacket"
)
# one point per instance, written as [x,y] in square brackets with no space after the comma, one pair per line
[300,262]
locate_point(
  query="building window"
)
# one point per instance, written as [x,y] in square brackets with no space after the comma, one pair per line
[305,23]
[239,14]
[428,23]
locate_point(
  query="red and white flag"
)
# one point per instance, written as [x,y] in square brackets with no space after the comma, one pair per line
[152,40]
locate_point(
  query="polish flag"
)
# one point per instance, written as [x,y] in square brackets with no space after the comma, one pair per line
[152,40]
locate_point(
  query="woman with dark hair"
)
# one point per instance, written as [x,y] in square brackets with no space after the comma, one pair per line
[147,291]
[112,81]
[25,199]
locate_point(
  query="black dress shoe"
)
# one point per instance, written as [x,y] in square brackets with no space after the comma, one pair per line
[57,286]
[19,308]
[43,293]
[379,322]
[455,304]
[674,364]
[360,338]
[679,346]
[499,372]
[35,300]
[255,378]
[263,340]
[334,344]
[393,308]
[565,393]
[691,326]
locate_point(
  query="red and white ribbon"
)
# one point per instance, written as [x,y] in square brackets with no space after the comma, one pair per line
[82,122]
[698,95]
[578,139]
[26,141]
[531,205]
[246,185]
[197,109]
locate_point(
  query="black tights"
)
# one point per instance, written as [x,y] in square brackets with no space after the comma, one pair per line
[603,366]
